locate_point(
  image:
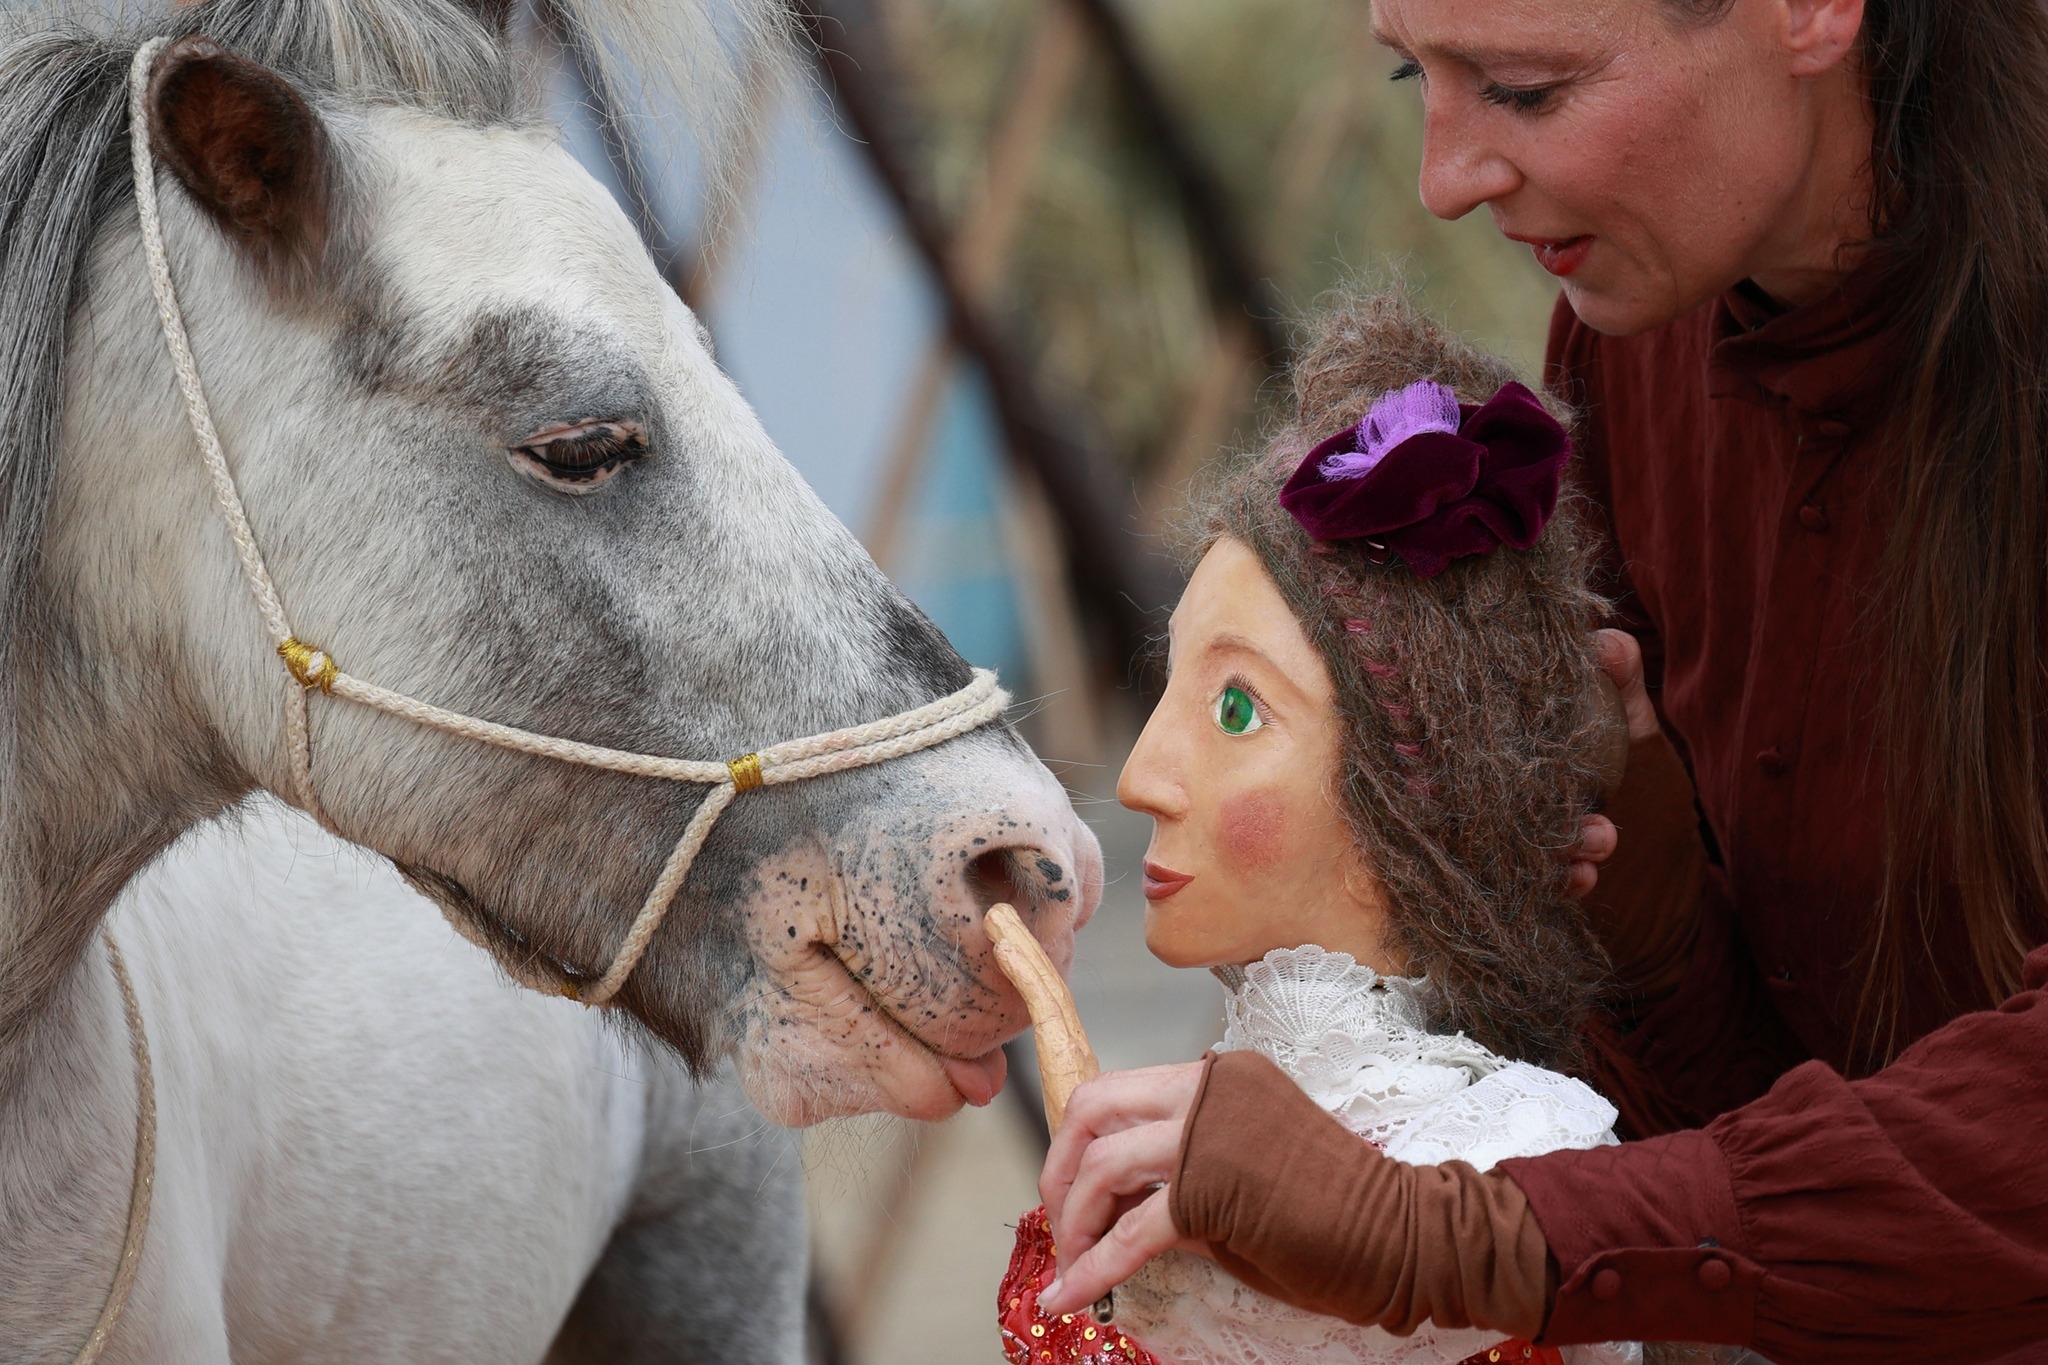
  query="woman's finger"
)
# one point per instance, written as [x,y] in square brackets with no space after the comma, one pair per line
[1598,839]
[1122,1164]
[1111,1103]
[1137,1237]
[1622,658]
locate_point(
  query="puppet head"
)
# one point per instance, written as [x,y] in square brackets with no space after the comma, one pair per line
[1380,746]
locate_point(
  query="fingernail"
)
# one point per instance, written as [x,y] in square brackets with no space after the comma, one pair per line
[1052,1291]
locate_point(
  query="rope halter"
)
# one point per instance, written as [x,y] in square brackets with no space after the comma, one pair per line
[311,668]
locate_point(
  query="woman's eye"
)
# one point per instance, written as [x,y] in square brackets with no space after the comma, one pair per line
[578,458]
[1236,712]
[1522,99]
[1407,71]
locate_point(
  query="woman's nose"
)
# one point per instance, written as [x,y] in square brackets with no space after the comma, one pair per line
[1461,168]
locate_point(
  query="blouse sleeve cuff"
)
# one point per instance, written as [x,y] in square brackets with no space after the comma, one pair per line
[1657,1255]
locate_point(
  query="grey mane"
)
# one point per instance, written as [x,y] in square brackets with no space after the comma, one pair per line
[61,177]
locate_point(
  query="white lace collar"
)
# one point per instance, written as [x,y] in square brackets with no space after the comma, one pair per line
[1355,1040]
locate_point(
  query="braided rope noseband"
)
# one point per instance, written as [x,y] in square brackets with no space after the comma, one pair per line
[311,668]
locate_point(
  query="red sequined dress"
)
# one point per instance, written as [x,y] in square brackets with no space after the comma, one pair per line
[1034,1338]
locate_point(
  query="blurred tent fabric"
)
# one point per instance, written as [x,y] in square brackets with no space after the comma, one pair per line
[1000,277]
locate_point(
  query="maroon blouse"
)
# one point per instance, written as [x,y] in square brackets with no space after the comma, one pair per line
[1903,1216]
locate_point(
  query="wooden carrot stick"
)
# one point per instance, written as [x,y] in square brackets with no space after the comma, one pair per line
[1064,1058]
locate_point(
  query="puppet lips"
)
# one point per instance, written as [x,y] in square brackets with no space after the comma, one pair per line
[1161,882]
[978,1079]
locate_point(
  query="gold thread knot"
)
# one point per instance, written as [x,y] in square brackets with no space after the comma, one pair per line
[312,667]
[746,772]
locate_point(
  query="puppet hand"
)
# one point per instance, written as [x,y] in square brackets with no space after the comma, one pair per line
[1105,1177]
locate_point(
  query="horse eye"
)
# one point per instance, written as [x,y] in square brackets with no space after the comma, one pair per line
[576,459]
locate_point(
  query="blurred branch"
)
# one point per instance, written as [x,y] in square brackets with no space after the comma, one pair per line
[1234,275]
[984,239]
[1119,584]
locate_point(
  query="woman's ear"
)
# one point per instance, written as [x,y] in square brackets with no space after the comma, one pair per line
[1820,35]
[250,150]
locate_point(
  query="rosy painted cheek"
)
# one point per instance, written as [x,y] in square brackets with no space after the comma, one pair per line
[1251,833]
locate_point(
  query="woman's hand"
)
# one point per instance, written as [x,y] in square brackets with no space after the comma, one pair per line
[1104,1183]
[1622,659]
[1646,909]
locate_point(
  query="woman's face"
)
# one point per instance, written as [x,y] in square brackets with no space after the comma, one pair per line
[1651,159]
[1236,768]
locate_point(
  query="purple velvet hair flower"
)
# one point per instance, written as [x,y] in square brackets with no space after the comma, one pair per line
[1433,480]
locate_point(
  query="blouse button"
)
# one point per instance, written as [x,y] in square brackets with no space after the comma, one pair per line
[1714,1274]
[1832,431]
[1814,517]
[1607,1285]
[1772,762]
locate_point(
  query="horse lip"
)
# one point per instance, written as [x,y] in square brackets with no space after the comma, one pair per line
[888,1015]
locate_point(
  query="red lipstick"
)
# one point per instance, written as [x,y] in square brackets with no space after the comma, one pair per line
[1161,882]
[1561,256]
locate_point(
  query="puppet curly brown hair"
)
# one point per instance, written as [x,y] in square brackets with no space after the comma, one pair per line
[1473,737]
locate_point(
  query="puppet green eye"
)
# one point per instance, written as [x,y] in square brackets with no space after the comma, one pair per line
[1236,713]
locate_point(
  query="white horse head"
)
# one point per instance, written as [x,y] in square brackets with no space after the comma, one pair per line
[492,464]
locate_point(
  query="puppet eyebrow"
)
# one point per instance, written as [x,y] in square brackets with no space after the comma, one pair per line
[1229,642]
[1226,641]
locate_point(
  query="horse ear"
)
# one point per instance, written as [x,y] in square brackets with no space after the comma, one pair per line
[250,149]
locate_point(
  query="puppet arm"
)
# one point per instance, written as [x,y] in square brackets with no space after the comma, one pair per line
[1293,1204]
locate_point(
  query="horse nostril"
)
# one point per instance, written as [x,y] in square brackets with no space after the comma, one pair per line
[993,878]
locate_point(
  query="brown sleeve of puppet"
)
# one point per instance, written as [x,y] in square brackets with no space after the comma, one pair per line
[1646,908]
[1297,1206]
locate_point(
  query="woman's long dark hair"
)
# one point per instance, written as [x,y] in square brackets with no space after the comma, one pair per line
[1960,218]
[1961,162]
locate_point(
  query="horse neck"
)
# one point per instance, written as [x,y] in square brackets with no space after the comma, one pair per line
[109,765]
[92,793]
[67,1134]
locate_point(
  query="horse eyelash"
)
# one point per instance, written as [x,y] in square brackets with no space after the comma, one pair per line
[581,455]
